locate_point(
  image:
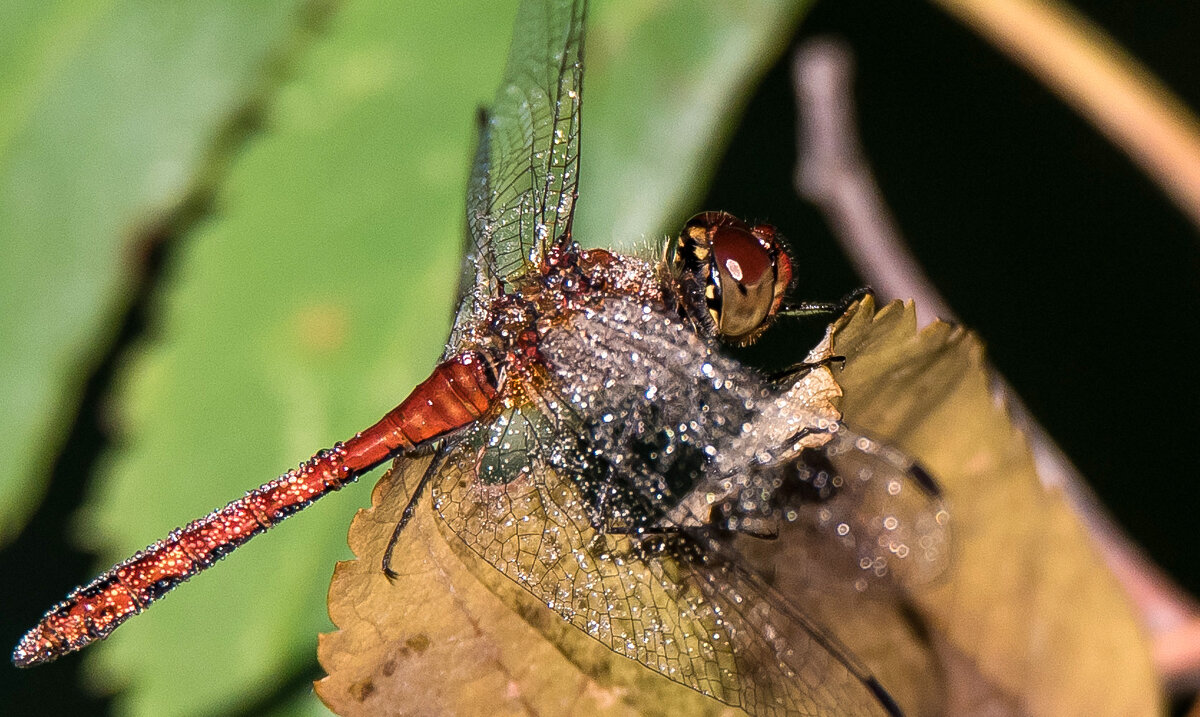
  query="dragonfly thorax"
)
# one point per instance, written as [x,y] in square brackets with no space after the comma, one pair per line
[570,281]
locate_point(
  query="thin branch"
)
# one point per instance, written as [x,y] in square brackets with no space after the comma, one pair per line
[833,174]
[1092,73]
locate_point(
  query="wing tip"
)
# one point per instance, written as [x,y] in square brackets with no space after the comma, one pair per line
[926,481]
[884,697]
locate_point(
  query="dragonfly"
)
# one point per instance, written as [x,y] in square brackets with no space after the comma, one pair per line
[591,441]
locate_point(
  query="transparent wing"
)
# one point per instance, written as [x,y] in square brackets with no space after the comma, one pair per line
[668,599]
[880,506]
[478,281]
[521,195]
[576,495]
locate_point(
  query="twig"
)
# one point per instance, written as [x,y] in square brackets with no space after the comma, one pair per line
[833,174]
[1092,73]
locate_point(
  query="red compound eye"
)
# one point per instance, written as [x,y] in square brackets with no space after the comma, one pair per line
[741,271]
[739,257]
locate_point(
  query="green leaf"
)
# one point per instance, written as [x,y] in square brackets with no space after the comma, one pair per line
[665,83]
[314,298]
[319,289]
[108,112]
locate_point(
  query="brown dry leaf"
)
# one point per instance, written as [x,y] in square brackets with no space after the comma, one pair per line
[451,635]
[1027,619]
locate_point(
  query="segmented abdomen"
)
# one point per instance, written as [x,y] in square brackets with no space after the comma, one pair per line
[455,394]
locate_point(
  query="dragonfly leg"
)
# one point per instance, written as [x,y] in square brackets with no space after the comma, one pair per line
[434,466]
[825,308]
[797,371]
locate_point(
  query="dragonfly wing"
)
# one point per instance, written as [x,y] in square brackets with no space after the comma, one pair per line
[668,599]
[881,508]
[572,496]
[521,195]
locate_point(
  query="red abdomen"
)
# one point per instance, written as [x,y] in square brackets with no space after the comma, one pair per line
[455,394]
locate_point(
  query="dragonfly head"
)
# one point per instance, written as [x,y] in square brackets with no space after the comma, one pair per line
[732,276]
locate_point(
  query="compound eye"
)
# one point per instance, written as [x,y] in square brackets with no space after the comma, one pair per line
[746,279]
[732,276]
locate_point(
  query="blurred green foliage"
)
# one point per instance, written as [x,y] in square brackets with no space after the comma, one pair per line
[317,287]
[108,112]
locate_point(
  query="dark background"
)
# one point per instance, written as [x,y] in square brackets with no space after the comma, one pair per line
[1079,274]
[1083,279]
